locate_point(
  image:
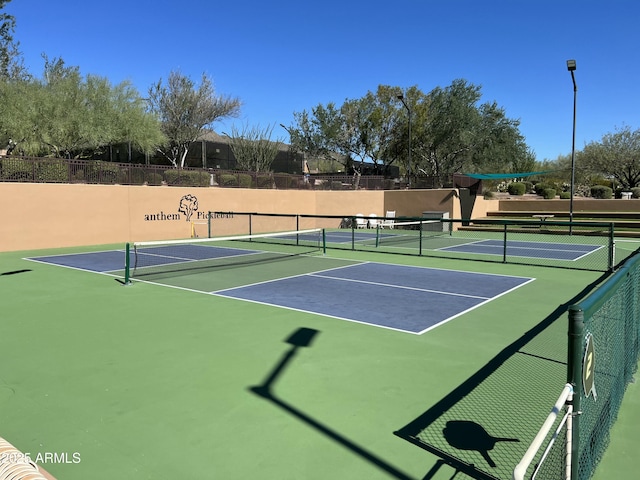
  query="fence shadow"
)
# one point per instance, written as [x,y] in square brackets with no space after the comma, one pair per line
[484,426]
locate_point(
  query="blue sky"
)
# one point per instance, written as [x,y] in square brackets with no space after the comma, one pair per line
[283,56]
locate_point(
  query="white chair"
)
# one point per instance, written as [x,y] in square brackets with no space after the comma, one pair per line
[361,222]
[389,220]
[373,221]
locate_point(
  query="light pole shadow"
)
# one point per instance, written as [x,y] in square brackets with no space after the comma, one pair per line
[301,338]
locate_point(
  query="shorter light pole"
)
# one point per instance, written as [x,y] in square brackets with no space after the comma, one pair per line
[571,66]
[401,98]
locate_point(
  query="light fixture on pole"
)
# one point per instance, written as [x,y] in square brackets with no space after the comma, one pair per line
[401,98]
[571,66]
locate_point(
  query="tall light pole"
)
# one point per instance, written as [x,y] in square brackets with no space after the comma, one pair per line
[401,98]
[304,156]
[571,66]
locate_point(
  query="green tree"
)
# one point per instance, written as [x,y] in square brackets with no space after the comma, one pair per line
[306,137]
[377,121]
[17,98]
[11,65]
[357,131]
[616,156]
[67,115]
[186,111]
[398,145]
[453,134]
[253,148]
[501,147]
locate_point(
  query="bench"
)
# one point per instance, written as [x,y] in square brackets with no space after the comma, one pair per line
[543,217]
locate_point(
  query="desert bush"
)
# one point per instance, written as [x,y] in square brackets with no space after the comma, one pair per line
[186,178]
[548,193]
[17,170]
[99,171]
[244,180]
[516,188]
[264,180]
[52,171]
[601,192]
[227,180]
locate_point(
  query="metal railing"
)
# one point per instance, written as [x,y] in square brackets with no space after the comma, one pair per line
[57,170]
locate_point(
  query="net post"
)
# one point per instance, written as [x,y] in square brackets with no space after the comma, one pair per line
[377,235]
[504,241]
[209,224]
[420,238]
[324,241]
[127,264]
[574,377]
[353,233]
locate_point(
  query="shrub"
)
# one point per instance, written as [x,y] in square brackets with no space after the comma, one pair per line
[137,176]
[227,180]
[102,172]
[565,195]
[529,187]
[285,181]
[203,179]
[601,192]
[548,193]
[541,187]
[488,194]
[635,192]
[17,170]
[264,180]
[516,188]
[54,170]
[78,176]
[186,178]
[154,178]
[244,180]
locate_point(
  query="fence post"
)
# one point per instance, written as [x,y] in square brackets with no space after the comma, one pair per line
[574,377]
[612,247]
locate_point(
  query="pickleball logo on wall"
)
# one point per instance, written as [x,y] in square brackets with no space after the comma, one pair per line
[188,205]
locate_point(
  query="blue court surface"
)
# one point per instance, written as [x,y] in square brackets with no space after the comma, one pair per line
[540,250]
[398,297]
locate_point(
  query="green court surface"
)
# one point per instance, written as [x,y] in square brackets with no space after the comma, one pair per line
[150,382]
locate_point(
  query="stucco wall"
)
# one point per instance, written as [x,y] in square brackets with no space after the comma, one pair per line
[60,215]
[482,206]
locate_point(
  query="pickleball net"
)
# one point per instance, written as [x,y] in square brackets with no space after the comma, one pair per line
[194,255]
[412,232]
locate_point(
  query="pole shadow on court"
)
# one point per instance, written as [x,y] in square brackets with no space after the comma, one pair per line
[15,272]
[301,338]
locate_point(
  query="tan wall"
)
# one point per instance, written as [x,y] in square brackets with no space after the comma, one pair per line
[60,215]
[482,206]
[579,205]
